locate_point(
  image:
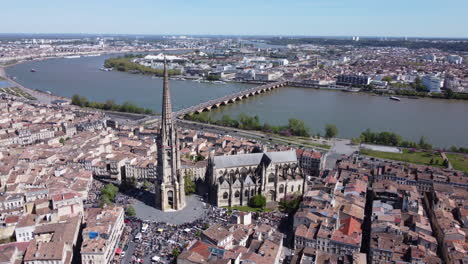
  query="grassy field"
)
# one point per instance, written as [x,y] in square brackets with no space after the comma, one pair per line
[458,161]
[423,158]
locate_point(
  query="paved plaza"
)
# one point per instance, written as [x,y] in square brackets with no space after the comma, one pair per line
[381,148]
[192,211]
[339,147]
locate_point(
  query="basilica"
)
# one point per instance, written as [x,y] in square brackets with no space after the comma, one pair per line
[229,180]
[234,179]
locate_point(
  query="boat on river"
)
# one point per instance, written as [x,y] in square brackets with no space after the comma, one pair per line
[395,98]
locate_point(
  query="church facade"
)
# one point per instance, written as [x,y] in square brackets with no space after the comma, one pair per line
[169,186]
[233,180]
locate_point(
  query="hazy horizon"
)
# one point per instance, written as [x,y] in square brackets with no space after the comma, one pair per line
[326,18]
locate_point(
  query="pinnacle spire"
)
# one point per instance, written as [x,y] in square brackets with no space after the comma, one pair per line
[166,104]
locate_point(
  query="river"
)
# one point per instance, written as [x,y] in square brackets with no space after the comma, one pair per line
[444,123]
[82,76]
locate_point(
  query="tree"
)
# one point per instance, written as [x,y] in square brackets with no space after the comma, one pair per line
[367,136]
[356,141]
[298,127]
[62,141]
[387,79]
[289,205]
[130,211]
[445,163]
[109,191]
[110,105]
[175,252]
[146,185]
[453,149]
[258,201]
[190,186]
[104,201]
[449,94]
[424,144]
[248,122]
[226,120]
[331,131]
[79,100]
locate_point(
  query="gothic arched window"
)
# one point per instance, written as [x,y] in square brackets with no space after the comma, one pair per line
[281,188]
[237,194]
[246,193]
[225,195]
[170,198]
[271,177]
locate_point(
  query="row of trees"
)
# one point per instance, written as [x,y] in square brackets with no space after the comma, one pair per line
[460,149]
[295,126]
[125,64]
[110,105]
[288,205]
[390,139]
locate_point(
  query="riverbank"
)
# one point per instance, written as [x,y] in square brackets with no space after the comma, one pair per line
[40,96]
[385,93]
[83,54]
[48,97]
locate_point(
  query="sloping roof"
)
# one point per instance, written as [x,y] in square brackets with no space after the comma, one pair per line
[350,226]
[237,160]
[253,159]
[282,156]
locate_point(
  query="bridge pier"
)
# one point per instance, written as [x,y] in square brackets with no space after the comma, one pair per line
[207,106]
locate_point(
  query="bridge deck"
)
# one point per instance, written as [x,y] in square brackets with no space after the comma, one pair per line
[230,98]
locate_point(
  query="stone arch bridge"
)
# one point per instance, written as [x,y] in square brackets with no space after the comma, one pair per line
[229,99]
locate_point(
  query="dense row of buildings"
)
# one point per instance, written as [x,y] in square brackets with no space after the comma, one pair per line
[46,202]
[243,240]
[395,213]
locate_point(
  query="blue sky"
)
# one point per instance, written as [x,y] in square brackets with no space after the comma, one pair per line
[429,18]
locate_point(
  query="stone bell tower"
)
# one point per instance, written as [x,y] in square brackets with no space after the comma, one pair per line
[170,190]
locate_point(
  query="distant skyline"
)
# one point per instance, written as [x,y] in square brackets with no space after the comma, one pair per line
[397,18]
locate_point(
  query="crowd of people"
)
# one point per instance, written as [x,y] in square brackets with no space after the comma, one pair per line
[166,240]
[94,195]
[161,242]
